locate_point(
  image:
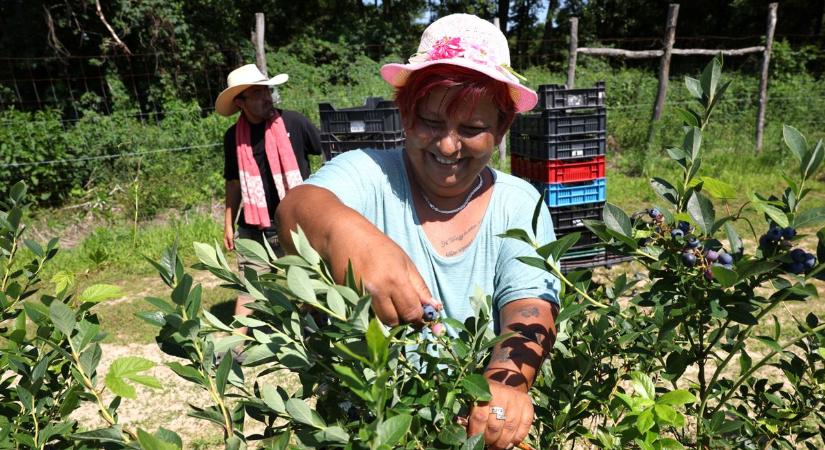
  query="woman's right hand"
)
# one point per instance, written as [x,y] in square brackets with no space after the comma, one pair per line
[398,291]
[341,235]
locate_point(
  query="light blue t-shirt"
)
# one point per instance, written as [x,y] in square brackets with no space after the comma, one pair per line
[375,183]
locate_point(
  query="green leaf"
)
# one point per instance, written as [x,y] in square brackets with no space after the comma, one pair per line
[302,413]
[693,143]
[477,387]
[710,78]
[62,317]
[665,413]
[570,311]
[645,421]
[377,343]
[615,219]
[252,250]
[272,399]
[676,398]
[795,141]
[129,368]
[303,247]
[100,292]
[558,247]
[670,444]
[812,161]
[537,213]
[206,254]
[520,235]
[751,268]
[810,217]
[336,302]
[112,434]
[62,280]
[769,342]
[694,86]
[689,118]
[353,381]
[643,385]
[776,214]
[717,188]
[150,442]
[724,276]
[665,190]
[392,430]
[702,212]
[300,284]
[222,373]
[215,322]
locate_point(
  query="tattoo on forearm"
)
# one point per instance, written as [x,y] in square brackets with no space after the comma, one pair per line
[501,355]
[529,312]
[458,237]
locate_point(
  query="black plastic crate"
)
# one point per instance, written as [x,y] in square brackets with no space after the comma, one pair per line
[377,115]
[587,259]
[334,144]
[567,217]
[558,123]
[586,240]
[557,96]
[552,147]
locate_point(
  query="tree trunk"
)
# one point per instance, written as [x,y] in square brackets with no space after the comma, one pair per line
[503,14]
[545,48]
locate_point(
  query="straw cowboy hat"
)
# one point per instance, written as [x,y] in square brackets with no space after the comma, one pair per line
[467,41]
[240,79]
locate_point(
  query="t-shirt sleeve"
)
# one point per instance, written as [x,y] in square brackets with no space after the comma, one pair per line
[230,156]
[351,177]
[516,280]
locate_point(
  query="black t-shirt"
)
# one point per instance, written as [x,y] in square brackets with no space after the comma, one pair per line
[303,136]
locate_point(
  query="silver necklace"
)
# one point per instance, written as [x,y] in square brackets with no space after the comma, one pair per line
[460,207]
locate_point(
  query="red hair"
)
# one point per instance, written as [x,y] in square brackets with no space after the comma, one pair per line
[472,86]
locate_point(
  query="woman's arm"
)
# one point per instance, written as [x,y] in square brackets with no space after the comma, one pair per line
[512,370]
[340,235]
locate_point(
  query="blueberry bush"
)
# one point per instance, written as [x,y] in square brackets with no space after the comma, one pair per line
[50,351]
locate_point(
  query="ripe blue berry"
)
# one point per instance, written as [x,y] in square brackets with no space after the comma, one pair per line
[708,275]
[654,213]
[430,313]
[798,255]
[692,242]
[774,234]
[676,233]
[788,232]
[711,255]
[684,226]
[764,242]
[689,259]
[725,259]
[810,261]
[795,268]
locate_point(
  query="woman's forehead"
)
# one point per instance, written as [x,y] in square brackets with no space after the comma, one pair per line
[440,100]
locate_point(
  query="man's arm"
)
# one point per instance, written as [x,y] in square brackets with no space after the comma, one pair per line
[232,201]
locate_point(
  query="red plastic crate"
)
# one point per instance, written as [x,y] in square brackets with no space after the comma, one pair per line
[555,171]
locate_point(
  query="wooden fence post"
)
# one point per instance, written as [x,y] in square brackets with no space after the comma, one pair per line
[664,67]
[763,80]
[574,49]
[260,54]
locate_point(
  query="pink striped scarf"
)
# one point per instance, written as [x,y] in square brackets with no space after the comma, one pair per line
[282,163]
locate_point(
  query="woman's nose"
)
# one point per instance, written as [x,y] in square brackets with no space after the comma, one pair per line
[449,143]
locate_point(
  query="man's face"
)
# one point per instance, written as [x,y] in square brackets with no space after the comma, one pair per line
[256,103]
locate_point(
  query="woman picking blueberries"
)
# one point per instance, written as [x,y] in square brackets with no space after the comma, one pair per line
[420,225]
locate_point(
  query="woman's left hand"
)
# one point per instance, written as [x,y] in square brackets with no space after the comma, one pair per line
[517,419]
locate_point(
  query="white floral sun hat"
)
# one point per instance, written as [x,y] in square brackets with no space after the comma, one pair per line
[467,41]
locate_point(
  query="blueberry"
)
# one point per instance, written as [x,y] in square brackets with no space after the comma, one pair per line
[725,259]
[692,242]
[774,234]
[764,242]
[654,213]
[689,259]
[711,255]
[795,267]
[798,255]
[810,261]
[788,232]
[728,266]
[684,226]
[708,275]
[676,233]
[430,313]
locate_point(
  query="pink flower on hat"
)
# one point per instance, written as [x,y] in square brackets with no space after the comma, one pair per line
[479,54]
[446,48]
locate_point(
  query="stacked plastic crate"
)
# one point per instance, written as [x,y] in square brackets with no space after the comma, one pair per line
[560,148]
[377,124]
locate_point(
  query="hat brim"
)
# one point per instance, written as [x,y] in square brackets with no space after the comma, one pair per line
[225,106]
[523,97]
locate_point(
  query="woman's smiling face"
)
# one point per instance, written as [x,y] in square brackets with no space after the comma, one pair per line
[447,151]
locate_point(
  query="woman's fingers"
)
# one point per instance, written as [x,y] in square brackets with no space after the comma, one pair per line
[478,420]
[527,415]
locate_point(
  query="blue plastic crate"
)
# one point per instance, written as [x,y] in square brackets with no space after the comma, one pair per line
[566,194]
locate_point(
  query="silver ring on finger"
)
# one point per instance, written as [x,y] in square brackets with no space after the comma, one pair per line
[499,412]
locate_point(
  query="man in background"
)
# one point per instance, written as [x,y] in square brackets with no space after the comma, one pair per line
[266,153]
